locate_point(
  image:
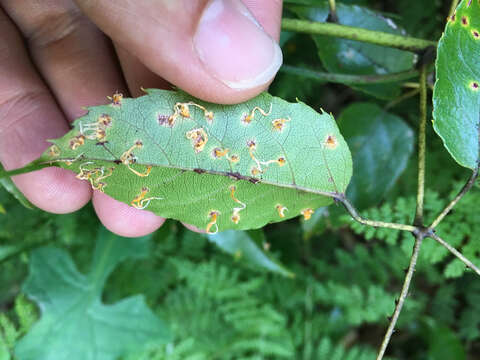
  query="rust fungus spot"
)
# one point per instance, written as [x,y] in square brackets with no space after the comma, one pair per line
[213,215]
[219,152]
[116,99]
[452,18]
[247,119]
[464,20]
[281,161]
[476,34]
[255,171]
[281,210]
[236,211]
[53,151]
[165,120]
[198,139]
[307,214]
[77,141]
[331,142]
[234,158]
[251,144]
[104,120]
[279,124]
[140,201]
[474,86]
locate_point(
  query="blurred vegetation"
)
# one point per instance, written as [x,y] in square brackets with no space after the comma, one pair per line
[227,305]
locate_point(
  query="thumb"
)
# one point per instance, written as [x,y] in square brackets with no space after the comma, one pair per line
[215,50]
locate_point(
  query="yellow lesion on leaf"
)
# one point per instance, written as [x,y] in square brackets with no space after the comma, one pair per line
[76,141]
[97,130]
[307,213]
[183,110]
[128,158]
[281,210]
[234,158]
[247,119]
[219,152]
[116,99]
[279,124]
[198,137]
[252,146]
[141,201]
[53,151]
[236,211]
[213,216]
[330,142]
[95,175]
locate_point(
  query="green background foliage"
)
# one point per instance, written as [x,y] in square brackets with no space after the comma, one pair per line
[317,289]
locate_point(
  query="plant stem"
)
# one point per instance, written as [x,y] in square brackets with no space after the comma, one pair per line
[29,168]
[356,216]
[358,34]
[333,11]
[421,147]
[403,295]
[455,252]
[349,79]
[401,98]
[465,189]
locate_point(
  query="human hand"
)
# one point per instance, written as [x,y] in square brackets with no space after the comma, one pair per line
[58,56]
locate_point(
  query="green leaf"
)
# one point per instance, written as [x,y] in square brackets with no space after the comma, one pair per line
[241,245]
[75,324]
[444,343]
[8,184]
[4,353]
[456,97]
[218,167]
[357,58]
[381,144]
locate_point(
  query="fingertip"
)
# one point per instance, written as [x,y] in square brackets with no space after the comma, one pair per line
[194,228]
[124,220]
[54,190]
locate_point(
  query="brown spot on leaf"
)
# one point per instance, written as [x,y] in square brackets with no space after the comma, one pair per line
[331,142]
[464,20]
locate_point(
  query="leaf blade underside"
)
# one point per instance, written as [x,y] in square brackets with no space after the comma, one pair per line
[221,167]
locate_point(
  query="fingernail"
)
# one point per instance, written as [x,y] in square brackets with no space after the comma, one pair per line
[233,47]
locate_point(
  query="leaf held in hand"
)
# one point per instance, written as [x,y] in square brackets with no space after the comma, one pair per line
[217,167]
[456,97]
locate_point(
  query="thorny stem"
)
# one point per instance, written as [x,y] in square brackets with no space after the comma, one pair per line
[465,189]
[455,252]
[349,79]
[358,34]
[421,147]
[356,216]
[403,295]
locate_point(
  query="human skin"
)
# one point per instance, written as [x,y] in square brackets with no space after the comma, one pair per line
[58,56]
